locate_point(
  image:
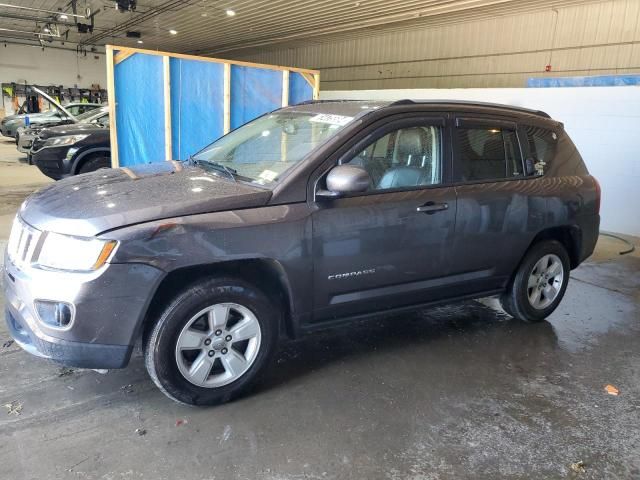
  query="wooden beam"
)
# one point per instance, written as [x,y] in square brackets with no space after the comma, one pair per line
[122,56]
[214,60]
[285,88]
[111,93]
[168,152]
[316,86]
[227,98]
[309,78]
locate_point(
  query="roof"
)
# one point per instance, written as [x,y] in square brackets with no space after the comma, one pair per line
[355,107]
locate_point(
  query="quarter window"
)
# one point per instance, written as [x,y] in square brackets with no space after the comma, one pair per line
[408,157]
[488,154]
[542,148]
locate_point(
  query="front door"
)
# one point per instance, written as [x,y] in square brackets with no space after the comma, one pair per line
[389,246]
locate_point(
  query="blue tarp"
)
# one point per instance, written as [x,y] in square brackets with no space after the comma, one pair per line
[140,109]
[299,89]
[197,105]
[254,92]
[593,81]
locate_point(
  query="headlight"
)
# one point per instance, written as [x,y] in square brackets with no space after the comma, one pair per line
[62,252]
[64,140]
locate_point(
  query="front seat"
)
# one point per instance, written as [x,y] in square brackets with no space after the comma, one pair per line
[409,151]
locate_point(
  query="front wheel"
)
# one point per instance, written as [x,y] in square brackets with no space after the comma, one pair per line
[94,163]
[212,342]
[539,284]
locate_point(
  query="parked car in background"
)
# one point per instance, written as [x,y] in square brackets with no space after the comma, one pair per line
[26,135]
[68,150]
[307,217]
[10,125]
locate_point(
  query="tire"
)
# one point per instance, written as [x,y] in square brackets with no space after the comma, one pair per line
[186,322]
[535,303]
[94,163]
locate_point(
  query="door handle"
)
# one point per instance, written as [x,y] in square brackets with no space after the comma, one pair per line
[432,207]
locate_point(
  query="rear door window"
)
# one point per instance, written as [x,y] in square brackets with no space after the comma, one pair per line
[487,153]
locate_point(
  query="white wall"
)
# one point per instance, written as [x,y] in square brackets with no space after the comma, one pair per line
[20,63]
[604,123]
[500,51]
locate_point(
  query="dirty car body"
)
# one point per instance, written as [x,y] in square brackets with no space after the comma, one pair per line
[432,226]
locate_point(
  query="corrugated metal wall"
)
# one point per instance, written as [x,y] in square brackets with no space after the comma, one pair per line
[589,39]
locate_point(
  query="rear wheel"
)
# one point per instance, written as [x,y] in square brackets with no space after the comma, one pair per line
[94,163]
[212,342]
[539,284]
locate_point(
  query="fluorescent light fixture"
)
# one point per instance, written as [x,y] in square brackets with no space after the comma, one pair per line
[140,41]
[230,13]
[173,32]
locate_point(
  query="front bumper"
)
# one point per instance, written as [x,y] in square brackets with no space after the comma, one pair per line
[52,161]
[7,131]
[24,142]
[109,307]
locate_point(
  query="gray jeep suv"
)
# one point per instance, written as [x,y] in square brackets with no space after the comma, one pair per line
[304,218]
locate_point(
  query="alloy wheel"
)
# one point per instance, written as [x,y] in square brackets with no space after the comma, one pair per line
[545,281]
[218,345]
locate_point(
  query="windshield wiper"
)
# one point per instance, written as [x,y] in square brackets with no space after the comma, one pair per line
[231,173]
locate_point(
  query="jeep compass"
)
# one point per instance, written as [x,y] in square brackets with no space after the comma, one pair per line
[307,217]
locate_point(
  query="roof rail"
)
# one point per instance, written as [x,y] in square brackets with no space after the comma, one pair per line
[500,106]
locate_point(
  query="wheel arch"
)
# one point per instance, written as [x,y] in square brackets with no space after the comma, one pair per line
[570,236]
[85,155]
[266,274]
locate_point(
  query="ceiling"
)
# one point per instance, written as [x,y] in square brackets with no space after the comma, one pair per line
[205,27]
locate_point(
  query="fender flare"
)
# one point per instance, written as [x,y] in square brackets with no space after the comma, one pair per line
[85,153]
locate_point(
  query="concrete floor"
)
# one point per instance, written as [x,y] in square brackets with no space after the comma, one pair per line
[456,392]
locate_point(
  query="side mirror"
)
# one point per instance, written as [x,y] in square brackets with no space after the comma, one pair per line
[345,179]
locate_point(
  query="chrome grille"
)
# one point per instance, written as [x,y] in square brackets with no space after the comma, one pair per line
[22,243]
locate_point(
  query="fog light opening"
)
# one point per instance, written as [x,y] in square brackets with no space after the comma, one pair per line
[54,314]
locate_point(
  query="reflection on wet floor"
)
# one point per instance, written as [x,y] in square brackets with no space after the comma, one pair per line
[577,324]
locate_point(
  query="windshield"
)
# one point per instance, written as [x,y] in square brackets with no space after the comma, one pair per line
[262,151]
[91,115]
[88,116]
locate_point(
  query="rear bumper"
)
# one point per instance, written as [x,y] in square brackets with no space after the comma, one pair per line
[108,305]
[590,228]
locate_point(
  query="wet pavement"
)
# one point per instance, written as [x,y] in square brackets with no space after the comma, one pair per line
[461,391]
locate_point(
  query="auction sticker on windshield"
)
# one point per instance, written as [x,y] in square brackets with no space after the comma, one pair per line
[331,119]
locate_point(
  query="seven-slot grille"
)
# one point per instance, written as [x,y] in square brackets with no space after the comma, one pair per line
[22,242]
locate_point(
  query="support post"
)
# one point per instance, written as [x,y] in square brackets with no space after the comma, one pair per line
[227,98]
[111,93]
[168,152]
[285,88]
[316,86]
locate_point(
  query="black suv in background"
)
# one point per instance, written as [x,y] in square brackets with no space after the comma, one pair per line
[306,217]
[68,150]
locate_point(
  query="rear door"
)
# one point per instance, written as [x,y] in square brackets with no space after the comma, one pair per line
[389,246]
[496,211]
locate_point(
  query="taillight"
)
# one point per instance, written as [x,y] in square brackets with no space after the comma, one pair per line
[598,194]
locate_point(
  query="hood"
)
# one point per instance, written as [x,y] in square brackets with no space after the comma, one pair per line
[13,118]
[72,129]
[86,205]
[56,104]
[32,116]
